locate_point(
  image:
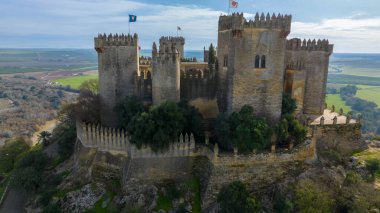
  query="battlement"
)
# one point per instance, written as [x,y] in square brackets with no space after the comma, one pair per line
[145,60]
[236,21]
[172,39]
[115,40]
[296,44]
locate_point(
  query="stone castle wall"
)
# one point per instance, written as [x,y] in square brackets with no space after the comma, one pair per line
[313,57]
[118,61]
[166,74]
[260,87]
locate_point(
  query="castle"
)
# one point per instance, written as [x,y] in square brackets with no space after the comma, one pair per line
[256,64]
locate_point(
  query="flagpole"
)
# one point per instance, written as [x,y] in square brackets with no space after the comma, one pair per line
[129,27]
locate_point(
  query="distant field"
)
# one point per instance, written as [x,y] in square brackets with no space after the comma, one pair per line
[75,81]
[336,100]
[353,79]
[46,60]
[369,93]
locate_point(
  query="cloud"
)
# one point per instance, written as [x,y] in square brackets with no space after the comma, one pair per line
[74,23]
[348,34]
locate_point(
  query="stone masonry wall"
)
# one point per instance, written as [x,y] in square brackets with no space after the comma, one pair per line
[118,60]
[314,57]
[166,74]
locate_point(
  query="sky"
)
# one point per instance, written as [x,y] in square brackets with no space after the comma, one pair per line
[352,26]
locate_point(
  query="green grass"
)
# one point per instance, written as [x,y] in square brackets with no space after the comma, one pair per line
[336,100]
[75,81]
[369,93]
[353,79]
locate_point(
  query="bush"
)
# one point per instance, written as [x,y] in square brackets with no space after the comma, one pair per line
[310,198]
[10,152]
[289,130]
[373,166]
[35,159]
[27,178]
[235,198]
[193,118]
[289,105]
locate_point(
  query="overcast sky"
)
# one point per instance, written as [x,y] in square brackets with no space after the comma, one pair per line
[352,25]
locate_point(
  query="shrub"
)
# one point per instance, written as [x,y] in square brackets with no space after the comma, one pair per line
[310,198]
[27,178]
[127,109]
[235,198]
[10,152]
[289,105]
[289,130]
[373,166]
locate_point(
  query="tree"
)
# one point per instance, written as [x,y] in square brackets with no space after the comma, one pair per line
[158,128]
[27,178]
[373,166]
[127,109]
[211,57]
[10,151]
[289,105]
[88,105]
[193,118]
[235,198]
[91,85]
[243,130]
[349,90]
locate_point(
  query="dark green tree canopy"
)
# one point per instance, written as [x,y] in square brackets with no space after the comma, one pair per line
[243,130]
[161,125]
[127,109]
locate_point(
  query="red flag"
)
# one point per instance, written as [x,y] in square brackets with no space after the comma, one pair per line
[233,4]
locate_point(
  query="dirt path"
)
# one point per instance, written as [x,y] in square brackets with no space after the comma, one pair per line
[48,126]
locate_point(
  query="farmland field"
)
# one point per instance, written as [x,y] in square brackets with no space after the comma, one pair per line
[75,81]
[369,93]
[336,100]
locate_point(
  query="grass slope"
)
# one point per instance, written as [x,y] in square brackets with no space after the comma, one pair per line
[336,100]
[75,81]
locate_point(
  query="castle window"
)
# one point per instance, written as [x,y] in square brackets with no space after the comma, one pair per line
[225,61]
[263,61]
[257,61]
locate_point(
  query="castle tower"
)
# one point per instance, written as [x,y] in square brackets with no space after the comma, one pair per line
[118,61]
[166,72]
[177,42]
[251,58]
[312,58]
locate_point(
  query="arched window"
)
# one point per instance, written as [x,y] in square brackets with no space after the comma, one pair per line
[257,61]
[263,61]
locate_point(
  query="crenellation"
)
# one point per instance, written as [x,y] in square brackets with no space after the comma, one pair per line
[296,44]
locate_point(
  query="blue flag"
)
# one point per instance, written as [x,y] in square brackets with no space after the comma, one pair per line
[132,18]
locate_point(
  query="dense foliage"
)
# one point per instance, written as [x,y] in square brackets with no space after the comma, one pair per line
[289,105]
[309,198]
[88,105]
[289,130]
[10,152]
[235,198]
[211,57]
[160,125]
[127,109]
[243,130]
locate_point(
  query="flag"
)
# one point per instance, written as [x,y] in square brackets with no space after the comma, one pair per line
[233,4]
[132,18]
[178,28]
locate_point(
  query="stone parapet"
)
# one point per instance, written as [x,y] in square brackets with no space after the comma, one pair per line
[115,40]
[297,44]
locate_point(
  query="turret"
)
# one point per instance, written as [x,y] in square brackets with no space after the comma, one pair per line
[166,71]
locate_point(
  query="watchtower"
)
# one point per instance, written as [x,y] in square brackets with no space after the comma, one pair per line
[251,57]
[177,42]
[118,61]
[166,72]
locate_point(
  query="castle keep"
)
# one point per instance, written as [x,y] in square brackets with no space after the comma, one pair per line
[256,64]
